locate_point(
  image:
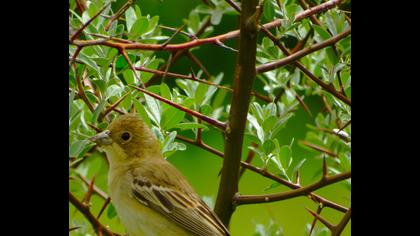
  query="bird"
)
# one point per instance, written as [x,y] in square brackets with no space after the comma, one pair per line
[150,196]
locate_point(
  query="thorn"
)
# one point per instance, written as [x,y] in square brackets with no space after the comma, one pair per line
[107,201]
[324,168]
[112,107]
[298,177]
[172,36]
[95,128]
[89,193]
[74,228]
[193,77]
[219,43]
[318,211]
[323,221]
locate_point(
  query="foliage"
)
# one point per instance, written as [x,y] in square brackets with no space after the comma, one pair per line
[101,80]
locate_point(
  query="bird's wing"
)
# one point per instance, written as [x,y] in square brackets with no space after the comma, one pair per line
[186,209]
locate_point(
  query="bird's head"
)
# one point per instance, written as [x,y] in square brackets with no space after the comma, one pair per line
[127,137]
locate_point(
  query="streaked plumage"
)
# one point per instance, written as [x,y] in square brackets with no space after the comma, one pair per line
[150,195]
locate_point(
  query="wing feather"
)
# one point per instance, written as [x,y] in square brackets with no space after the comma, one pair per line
[189,211]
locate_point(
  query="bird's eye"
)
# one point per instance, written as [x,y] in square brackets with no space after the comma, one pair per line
[125,136]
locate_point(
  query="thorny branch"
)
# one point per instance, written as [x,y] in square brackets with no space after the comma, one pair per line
[178,50]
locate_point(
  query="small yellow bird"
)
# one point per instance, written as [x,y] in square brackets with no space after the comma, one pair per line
[150,195]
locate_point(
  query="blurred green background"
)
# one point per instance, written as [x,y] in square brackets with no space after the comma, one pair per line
[201,168]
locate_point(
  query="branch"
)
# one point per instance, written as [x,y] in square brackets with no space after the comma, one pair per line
[119,13]
[314,197]
[325,181]
[180,53]
[211,121]
[170,47]
[318,148]
[77,33]
[245,75]
[201,144]
[340,227]
[335,229]
[293,57]
[321,7]
[84,209]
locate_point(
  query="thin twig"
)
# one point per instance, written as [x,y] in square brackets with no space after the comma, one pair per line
[324,181]
[293,57]
[84,209]
[119,13]
[211,121]
[77,33]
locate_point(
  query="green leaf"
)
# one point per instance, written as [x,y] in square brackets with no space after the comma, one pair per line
[171,117]
[269,123]
[268,146]
[256,125]
[194,21]
[111,212]
[285,154]
[154,108]
[280,123]
[324,35]
[79,147]
[152,24]
[98,111]
[216,17]
[166,93]
[130,18]
[142,112]
[269,11]
[190,125]
[139,28]
[200,93]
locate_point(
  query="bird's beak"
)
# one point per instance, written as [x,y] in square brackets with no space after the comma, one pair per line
[102,138]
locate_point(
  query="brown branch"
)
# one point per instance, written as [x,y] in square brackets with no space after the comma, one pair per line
[314,20]
[345,125]
[321,7]
[198,63]
[320,218]
[170,47]
[318,148]
[177,31]
[293,57]
[335,229]
[301,66]
[211,121]
[127,59]
[77,33]
[74,228]
[318,211]
[340,227]
[213,40]
[248,159]
[178,54]
[118,13]
[265,173]
[201,145]
[84,209]
[193,78]
[191,36]
[242,86]
[106,203]
[234,5]
[96,189]
[81,92]
[324,181]
[112,107]
[286,183]
[336,133]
